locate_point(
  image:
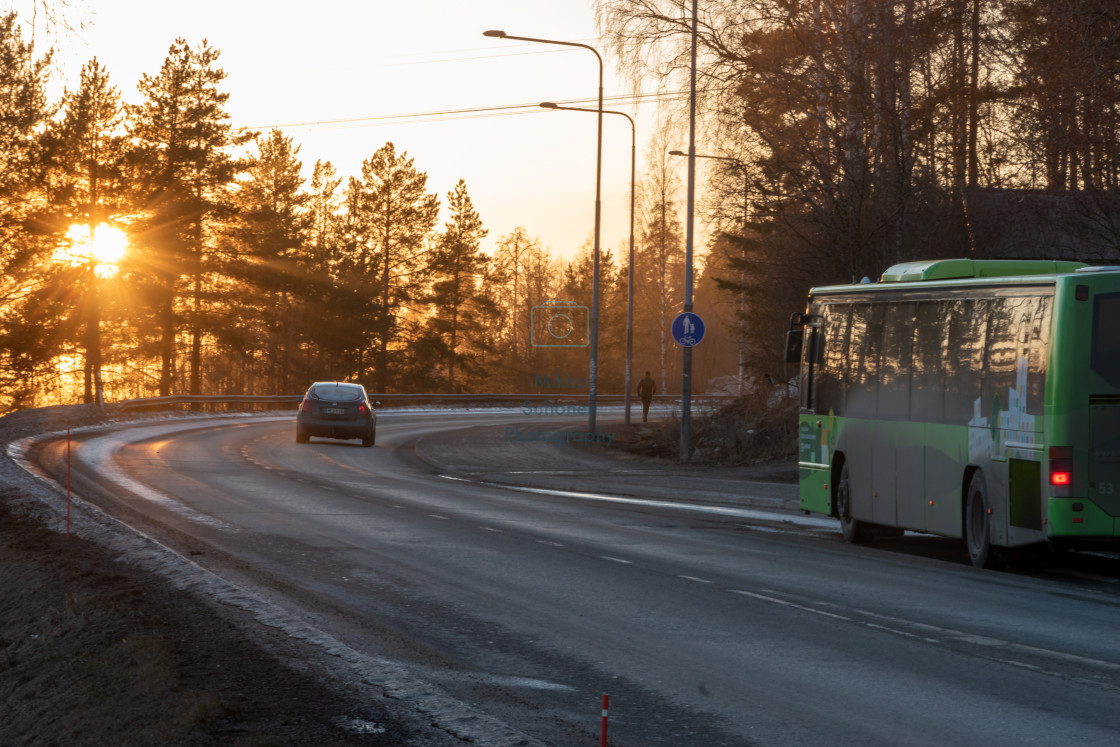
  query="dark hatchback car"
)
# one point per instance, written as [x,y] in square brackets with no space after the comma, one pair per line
[335,410]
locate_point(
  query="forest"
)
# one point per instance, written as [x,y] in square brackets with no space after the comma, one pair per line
[845,136]
[855,134]
[151,248]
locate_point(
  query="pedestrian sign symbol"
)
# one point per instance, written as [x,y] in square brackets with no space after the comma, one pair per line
[688,329]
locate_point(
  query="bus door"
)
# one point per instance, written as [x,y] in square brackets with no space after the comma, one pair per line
[805,345]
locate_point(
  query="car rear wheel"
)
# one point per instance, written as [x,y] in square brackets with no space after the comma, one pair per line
[302,438]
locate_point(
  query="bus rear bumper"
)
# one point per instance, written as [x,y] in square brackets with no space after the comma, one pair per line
[1077,521]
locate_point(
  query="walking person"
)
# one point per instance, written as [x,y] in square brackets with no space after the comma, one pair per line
[647,387]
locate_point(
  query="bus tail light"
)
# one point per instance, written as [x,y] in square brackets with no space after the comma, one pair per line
[1061,471]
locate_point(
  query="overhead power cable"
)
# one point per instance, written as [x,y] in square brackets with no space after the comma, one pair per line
[470,113]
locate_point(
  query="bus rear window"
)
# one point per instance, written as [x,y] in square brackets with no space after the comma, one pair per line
[1106,338]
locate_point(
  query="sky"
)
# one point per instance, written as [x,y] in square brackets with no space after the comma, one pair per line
[336,75]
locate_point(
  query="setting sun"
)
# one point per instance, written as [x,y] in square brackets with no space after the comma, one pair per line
[105,244]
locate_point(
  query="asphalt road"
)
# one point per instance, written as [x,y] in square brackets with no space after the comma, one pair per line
[746,624]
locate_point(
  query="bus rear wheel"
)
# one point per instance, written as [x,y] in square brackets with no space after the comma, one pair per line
[977,523]
[855,531]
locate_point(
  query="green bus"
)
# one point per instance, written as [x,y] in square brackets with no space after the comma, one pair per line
[977,399]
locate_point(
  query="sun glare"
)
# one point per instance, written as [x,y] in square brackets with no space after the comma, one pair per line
[105,245]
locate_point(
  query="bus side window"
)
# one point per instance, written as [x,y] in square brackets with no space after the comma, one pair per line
[1000,355]
[894,374]
[1015,337]
[864,348]
[831,381]
[926,388]
[1038,351]
[967,320]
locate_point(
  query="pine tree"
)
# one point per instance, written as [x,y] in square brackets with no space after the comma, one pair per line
[390,220]
[36,308]
[86,152]
[457,266]
[332,304]
[182,164]
[269,262]
[324,221]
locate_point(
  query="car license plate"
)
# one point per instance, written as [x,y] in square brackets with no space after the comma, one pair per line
[334,411]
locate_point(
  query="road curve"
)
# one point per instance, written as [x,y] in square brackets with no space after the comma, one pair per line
[705,628]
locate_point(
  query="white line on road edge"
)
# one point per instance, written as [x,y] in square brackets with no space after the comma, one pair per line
[786,603]
[740,513]
[924,632]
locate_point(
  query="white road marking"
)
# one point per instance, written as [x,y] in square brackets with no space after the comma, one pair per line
[926,633]
[786,603]
[743,513]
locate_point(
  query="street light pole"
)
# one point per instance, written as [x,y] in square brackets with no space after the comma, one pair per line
[630,279]
[593,368]
[686,356]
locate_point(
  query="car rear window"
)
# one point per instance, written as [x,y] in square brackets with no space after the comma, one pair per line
[337,392]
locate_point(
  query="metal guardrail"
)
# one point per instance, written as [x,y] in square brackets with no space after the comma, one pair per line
[226,402]
[209,401]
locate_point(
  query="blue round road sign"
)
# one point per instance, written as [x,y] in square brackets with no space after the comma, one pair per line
[687,329]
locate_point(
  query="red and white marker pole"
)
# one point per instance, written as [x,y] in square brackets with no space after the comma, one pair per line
[603,738]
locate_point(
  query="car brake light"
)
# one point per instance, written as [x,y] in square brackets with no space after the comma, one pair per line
[305,406]
[362,409]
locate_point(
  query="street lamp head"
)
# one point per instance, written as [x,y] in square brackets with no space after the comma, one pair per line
[549,105]
[495,34]
[677,153]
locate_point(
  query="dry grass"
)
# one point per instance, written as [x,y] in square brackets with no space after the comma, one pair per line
[758,427]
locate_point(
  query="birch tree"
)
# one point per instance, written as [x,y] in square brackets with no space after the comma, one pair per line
[458,266]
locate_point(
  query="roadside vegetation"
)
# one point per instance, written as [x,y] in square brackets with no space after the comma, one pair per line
[757,427]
